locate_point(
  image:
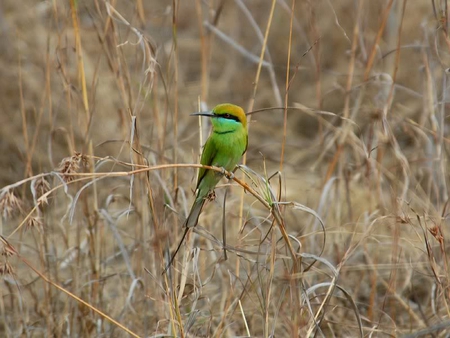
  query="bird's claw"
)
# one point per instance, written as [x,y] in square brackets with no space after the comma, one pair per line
[228,175]
[211,195]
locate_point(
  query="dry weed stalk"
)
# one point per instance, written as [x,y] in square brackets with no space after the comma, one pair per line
[10,204]
[362,141]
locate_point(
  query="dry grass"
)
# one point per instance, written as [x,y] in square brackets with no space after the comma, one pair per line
[336,223]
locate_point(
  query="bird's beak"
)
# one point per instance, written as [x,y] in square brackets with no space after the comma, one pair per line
[203,113]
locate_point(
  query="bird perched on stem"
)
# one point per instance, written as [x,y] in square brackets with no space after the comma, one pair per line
[224,148]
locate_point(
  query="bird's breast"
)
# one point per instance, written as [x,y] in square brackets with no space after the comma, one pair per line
[230,148]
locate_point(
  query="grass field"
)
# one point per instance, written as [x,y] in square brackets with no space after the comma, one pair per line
[336,221]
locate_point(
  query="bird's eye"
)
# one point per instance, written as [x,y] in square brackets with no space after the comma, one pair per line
[227,116]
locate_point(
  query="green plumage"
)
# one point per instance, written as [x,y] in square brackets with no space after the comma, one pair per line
[224,148]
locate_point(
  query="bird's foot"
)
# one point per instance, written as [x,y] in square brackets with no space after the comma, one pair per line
[211,195]
[228,175]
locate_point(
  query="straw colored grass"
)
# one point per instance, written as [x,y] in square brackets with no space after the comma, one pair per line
[335,224]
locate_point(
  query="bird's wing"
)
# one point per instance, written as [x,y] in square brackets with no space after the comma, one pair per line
[208,154]
[246,144]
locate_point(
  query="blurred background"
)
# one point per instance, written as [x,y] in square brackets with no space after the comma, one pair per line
[347,111]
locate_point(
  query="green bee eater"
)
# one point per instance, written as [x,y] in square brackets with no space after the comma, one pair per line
[224,148]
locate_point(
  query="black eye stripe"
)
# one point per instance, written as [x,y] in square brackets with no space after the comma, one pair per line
[229,117]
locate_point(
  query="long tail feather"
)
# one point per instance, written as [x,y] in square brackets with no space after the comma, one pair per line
[196,209]
[176,251]
[191,221]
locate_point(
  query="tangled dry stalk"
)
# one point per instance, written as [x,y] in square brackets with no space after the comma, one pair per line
[335,225]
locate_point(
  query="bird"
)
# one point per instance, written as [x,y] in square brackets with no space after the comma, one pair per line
[224,148]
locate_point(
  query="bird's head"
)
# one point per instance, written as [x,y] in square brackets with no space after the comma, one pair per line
[226,117]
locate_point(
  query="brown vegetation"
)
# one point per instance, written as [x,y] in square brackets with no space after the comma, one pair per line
[335,224]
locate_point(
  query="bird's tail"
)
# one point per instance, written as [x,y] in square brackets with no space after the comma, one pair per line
[176,251]
[191,222]
[192,219]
